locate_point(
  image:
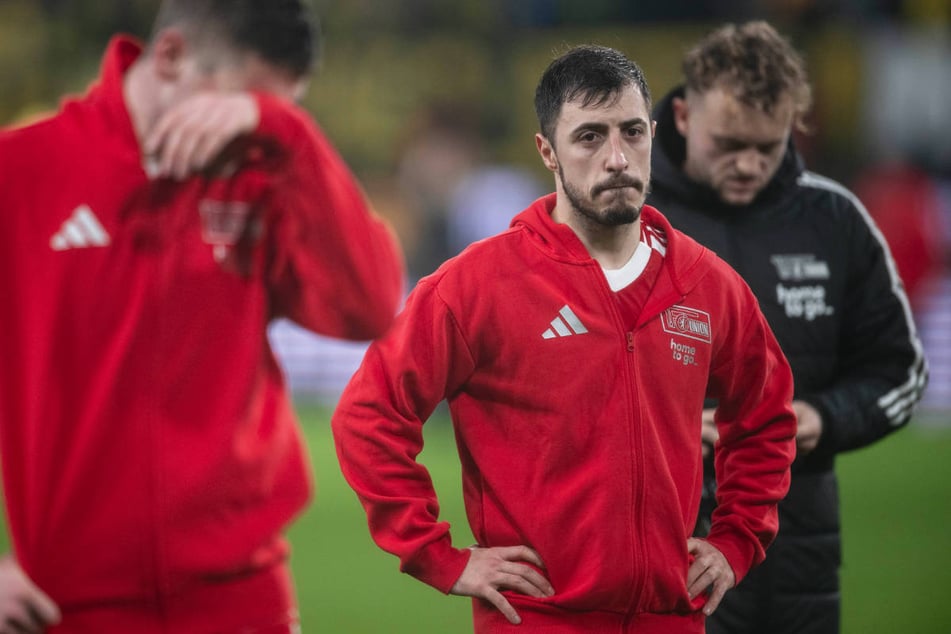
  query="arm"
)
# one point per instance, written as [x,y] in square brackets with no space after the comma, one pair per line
[378,432]
[335,267]
[377,429]
[882,371]
[757,427]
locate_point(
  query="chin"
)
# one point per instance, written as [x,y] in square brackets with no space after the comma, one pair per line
[617,216]
[738,199]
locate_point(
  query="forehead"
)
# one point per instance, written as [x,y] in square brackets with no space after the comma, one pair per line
[722,114]
[628,104]
[250,71]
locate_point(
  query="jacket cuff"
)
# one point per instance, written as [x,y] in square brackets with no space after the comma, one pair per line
[278,119]
[438,564]
[827,441]
[740,553]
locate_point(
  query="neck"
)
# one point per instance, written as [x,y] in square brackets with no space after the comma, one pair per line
[610,246]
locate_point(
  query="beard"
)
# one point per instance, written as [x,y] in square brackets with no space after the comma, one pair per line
[617,213]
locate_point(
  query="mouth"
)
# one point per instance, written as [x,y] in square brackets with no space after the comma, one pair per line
[743,183]
[618,186]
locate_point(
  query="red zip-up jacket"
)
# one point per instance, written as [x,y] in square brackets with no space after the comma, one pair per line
[578,437]
[149,448]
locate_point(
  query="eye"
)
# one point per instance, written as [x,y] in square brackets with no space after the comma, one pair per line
[635,131]
[588,136]
[730,145]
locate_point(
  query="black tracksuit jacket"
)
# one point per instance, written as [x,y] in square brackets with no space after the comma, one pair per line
[830,291]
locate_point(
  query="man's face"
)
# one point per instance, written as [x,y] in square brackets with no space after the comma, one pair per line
[733,148]
[602,157]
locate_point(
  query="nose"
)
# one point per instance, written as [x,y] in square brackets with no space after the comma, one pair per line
[748,162]
[616,161]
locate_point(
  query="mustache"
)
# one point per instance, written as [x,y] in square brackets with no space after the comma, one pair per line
[618,181]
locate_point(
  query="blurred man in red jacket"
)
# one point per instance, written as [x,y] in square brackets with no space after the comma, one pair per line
[152,230]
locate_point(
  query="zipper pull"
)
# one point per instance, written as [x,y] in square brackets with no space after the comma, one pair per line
[630,342]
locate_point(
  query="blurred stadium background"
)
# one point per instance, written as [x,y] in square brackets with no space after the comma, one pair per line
[430,101]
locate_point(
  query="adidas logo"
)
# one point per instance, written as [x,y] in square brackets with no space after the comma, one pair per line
[565,324]
[82,230]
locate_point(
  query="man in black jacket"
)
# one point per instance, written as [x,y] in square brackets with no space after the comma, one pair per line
[725,172]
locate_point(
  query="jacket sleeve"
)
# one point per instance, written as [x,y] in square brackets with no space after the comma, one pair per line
[335,266]
[881,370]
[377,429]
[753,383]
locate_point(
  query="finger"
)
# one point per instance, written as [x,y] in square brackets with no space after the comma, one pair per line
[694,545]
[701,583]
[521,553]
[43,609]
[19,623]
[155,136]
[503,606]
[217,134]
[182,142]
[532,576]
[181,129]
[207,151]
[716,595]
[158,135]
[168,152]
[699,576]
[531,585]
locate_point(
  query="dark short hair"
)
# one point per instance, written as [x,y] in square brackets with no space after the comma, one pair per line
[284,33]
[595,74]
[754,63]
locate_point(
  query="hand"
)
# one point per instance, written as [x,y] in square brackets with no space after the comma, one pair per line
[24,608]
[708,432]
[808,427]
[492,569]
[710,569]
[191,134]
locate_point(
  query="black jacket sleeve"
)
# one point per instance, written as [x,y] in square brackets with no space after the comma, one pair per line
[881,369]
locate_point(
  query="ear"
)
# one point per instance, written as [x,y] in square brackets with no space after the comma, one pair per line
[681,113]
[547,152]
[168,51]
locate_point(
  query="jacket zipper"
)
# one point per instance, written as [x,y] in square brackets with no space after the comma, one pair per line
[638,551]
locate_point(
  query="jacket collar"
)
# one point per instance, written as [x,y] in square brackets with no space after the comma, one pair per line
[685,263]
[106,94]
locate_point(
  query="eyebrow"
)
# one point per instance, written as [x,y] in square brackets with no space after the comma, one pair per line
[724,138]
[603,127]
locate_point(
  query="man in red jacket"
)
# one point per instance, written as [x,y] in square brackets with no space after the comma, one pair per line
[152,230]
[575,351]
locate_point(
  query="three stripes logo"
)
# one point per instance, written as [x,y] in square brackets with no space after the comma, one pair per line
[565,324]
[80,231]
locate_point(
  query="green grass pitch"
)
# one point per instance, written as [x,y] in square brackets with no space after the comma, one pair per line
[896,513]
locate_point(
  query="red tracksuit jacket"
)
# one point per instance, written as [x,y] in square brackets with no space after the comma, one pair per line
[578,437]
[150,454]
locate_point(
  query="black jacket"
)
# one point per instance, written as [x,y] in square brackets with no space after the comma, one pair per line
[829,289]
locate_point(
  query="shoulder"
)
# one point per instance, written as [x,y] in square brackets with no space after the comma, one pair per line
[494,253]
[830,195]
[844,212]
[28,146]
